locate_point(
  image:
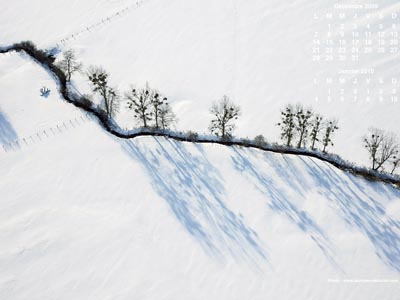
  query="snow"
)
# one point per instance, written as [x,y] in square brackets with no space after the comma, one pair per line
[85,215]
[49,22]
[88,216]
[194,52]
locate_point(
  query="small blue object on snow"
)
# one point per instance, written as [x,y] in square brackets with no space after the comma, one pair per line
[44,91]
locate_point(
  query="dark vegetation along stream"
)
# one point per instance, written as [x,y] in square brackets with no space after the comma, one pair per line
[46,60]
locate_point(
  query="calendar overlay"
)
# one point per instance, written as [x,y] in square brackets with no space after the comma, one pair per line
[353,53]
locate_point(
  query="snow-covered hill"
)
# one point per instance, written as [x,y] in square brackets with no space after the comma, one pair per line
[85,215]
[259,53]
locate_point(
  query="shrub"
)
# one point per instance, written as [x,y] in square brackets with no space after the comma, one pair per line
[192,135]
[85,101]
[260,141]
[246,142]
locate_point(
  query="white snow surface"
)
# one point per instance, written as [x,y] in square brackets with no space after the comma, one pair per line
[85,215]
[257,52]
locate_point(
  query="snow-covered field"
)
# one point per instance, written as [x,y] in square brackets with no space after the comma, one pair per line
[259,53]
[84,215]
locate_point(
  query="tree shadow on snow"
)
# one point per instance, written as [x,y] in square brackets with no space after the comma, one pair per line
[194,190]
[7,132]
[279,200]
[353,196]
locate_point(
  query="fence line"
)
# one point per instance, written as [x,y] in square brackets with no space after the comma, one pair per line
[45,134]
[103,21]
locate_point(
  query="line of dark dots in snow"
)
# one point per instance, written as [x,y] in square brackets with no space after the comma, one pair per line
[46,133]
[103,21]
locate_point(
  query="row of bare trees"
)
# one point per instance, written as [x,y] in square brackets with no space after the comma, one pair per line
[303,127]
[150,108]
[300,127]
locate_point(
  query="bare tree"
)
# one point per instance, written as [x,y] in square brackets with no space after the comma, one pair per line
[395,163]
[99,79]
[163,115]
[224,113]
[140,103]
[69,64]
[315,130]
[287,125]
[389,150]
[159,103]
[330,128]
[111,102]
[303,120]
[382,147]
[372,143]
[166,116]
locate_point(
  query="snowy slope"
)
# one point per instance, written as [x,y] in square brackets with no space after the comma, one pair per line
[49,22]
[257,52]
[85,215]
